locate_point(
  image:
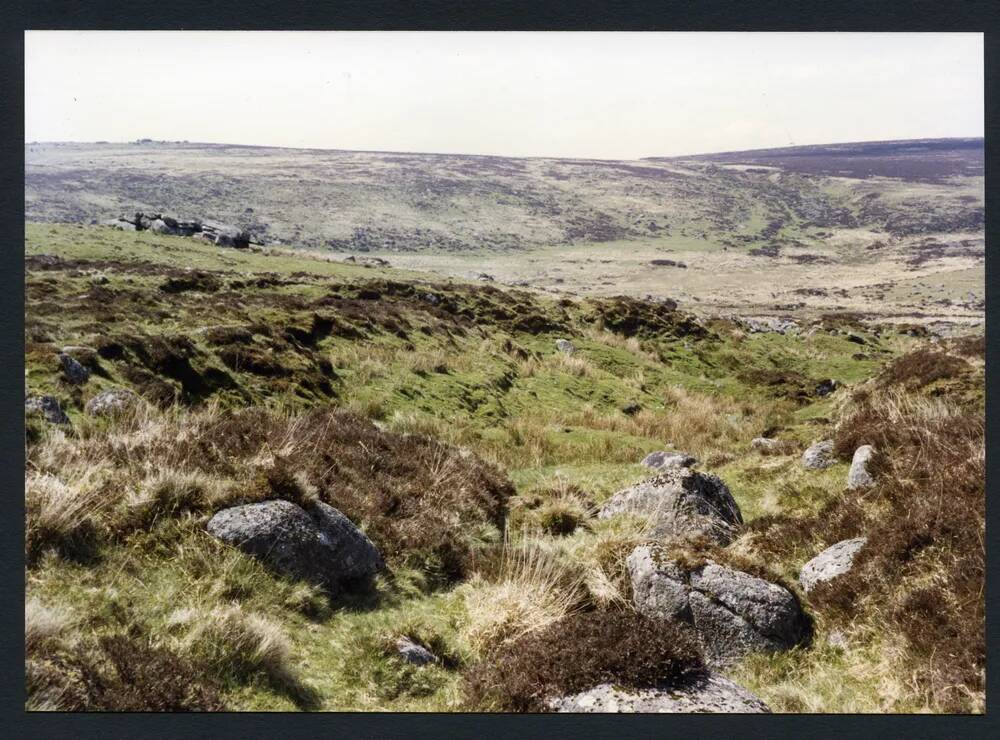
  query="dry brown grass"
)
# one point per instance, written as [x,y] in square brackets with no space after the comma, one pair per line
[581,651]
[422,502]
[922,574]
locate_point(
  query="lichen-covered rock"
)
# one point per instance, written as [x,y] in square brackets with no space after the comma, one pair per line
[667,459]
[320,545]
[73,371]
[832,562]
[764,443]
[110,402]
[414,653]
[708,692]
[859,476]
[733,613]
[48,407]
[564,345]
[819,455]
[682,503]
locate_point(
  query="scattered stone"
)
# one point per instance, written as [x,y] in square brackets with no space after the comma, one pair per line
[564,345]
[767,324]
[732,612]
[485,277]
[111,402]
[48,406]
[159,226]
[764,443]
[826,387]
[832,562]
[682,503]
[837,640]
[859,475]
[819,455]
[320,545]
[74,372]
[708,692]
[414,653]
[667,459]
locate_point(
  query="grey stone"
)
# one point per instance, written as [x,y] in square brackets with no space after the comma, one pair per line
[159,226]
[859,476]
[733,613]
[48,407]
[111,402]
[414,653]
[708,692]
[767,324]
[667,459]
[564,345]
[74,372]
[819,455]
[320,545]
[832,562]
[763,443]
[826,387]
[681,502]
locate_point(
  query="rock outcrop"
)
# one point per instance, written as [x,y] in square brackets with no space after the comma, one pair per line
[707,693]
[111,402]
[682,503]
[859,476]
[819,455]
[667,459]
[732,612]
[48,407]
[320,545]
[767,324]
[832,562]
[414,653]
[222,235]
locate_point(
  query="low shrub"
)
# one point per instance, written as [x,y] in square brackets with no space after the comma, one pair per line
[579,652]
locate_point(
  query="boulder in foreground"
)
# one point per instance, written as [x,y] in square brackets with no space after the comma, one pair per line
[819,455]
[732,612]
[320,545]
[707,693]
[832,562]
[110,402]
[682,503]
[859,476]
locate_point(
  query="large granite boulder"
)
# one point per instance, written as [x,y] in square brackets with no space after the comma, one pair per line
[708,692]
[48,407]
[111,402]
[320,544]
[682,503]
[832,562]
[732,612]
[859,476]
[819,455]
[667,459]
[73,371]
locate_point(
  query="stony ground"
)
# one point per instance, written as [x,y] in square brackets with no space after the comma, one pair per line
[476,434]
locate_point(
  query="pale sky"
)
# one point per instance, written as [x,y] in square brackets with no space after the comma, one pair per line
[600,95]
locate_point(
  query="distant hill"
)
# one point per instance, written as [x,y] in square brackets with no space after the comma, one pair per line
[399,202]
[927,160]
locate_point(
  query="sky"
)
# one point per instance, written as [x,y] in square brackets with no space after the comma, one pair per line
[593,95]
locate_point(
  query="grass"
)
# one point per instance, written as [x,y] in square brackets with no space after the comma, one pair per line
[474,454]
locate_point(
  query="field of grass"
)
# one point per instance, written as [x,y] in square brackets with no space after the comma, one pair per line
[228,345]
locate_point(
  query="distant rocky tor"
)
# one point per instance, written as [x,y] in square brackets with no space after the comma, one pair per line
[221,235]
